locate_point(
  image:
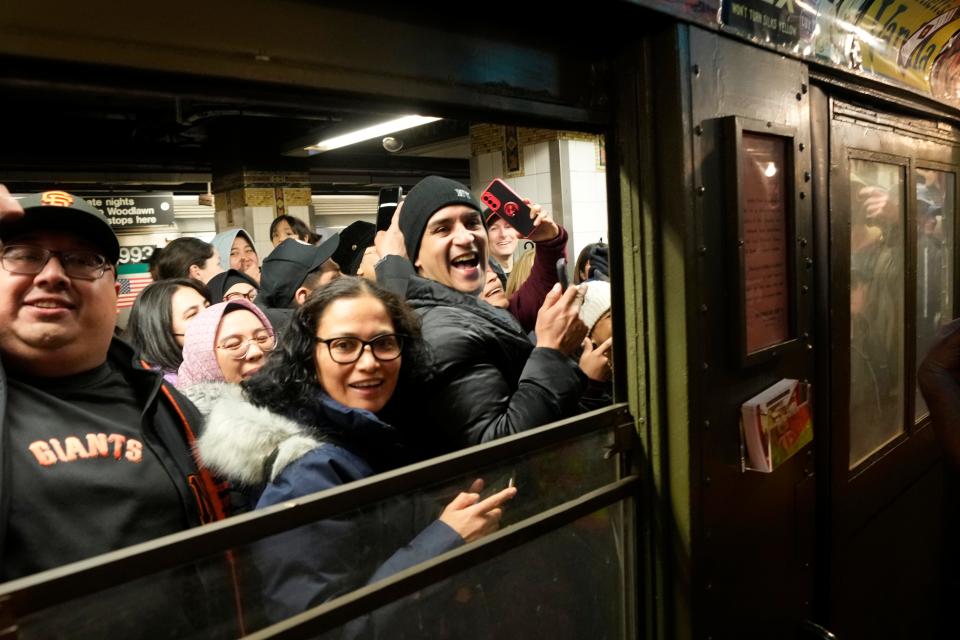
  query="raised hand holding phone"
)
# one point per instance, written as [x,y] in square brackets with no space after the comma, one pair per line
[562,277]
[390,241]
[387,206]
[544,228]
[509,206]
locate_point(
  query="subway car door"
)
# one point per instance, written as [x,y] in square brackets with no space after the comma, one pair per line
[890,237]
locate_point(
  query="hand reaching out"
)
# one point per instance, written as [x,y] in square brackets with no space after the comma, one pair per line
[558,322]
[391,241]
[473,518]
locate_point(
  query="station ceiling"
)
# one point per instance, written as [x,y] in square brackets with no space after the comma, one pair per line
[141,135]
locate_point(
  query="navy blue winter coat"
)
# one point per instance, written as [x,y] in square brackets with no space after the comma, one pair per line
[305,567]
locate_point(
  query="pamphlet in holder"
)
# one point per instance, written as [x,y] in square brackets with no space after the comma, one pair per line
[774,425]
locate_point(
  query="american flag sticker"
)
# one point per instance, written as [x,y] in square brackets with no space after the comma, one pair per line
[132,278]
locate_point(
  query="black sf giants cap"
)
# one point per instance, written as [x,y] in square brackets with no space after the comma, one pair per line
[62,211]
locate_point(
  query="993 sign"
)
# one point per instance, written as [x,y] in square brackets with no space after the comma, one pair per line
[133,255]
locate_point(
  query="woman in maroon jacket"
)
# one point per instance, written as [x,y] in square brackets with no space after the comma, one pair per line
[550,240]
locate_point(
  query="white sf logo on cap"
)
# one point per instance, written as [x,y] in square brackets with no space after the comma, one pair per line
[463,193]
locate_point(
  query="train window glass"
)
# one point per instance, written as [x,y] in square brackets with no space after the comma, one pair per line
[284,574]
[935,220]
[565,584]
[876,306]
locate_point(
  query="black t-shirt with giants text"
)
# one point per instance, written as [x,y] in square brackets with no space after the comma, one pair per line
[85,477]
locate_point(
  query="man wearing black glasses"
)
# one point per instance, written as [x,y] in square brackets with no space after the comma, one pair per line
[97,448]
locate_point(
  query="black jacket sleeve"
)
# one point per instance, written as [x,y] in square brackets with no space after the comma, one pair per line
[394,273]
[475,403]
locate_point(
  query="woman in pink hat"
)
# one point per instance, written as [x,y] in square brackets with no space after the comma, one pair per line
[224,345]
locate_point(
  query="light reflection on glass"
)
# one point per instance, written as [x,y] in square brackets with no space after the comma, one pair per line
[934,204]
[876,306]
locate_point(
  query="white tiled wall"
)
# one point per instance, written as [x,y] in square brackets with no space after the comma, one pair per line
[259,219]
[588,193]
[534,183]
[586,217]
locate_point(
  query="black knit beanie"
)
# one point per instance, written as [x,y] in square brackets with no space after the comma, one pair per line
[426,198]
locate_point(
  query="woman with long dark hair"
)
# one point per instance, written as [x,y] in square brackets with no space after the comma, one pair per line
[159,319]
[186,258]
[313,418]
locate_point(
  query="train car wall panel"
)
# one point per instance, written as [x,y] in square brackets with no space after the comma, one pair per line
[910,43]
[754,541]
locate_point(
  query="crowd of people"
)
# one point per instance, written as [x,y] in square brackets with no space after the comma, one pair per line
[242,382]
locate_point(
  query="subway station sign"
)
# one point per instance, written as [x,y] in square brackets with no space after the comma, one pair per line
[128,211]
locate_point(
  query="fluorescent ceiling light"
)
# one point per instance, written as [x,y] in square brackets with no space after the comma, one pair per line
[368,133]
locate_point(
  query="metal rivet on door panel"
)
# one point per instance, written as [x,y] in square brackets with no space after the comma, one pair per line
[806,176]
[702,250]
[696,70]
[808,262]
[803,87]
[799,96]
[803,242]
[698,130]
[804,289]
[704,308]
[701,190]
[803,195]
[809,347]
[802,146]
[706,365]
[706,424]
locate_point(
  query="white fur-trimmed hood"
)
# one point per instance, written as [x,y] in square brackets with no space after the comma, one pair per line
[238,437]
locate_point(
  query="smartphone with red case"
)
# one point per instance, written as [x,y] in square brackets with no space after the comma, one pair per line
[505,202]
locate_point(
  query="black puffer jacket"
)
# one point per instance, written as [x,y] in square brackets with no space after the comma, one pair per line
[490,381]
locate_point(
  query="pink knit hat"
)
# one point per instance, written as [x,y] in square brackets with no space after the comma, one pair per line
[199,342]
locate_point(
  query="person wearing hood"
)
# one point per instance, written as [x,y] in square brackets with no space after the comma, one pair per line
[232,285]
[492,381]
[225,343]
[315,418]
[237,251]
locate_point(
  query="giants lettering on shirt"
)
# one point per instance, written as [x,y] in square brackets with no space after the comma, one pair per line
[93,445]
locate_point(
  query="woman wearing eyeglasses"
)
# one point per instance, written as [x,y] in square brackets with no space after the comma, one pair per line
[223,345]
[232,285]
[315,418]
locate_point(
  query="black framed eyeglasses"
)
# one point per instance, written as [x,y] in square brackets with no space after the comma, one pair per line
[27,260]
[347,350]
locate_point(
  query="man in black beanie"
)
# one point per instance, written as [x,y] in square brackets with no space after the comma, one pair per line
[490,380]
